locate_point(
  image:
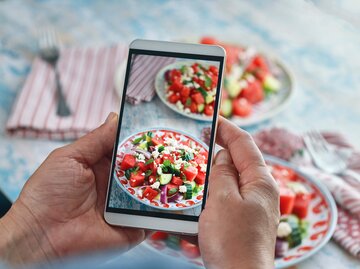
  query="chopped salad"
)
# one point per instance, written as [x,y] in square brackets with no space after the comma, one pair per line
[165,166]
[293,226]
[294,206]
[248,79]
[192,88]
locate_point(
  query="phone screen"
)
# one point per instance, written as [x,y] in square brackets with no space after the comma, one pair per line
[166,132]
[5,204]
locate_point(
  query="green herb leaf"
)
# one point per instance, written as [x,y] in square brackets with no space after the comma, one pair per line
[173,170]
[186,165]
[188,156]
[167,163]
[202,91]
[137,140]
[148,173]
[172,191]
[130,171]
[128,174]
[164,169]
[149,161]
[161,148]
[183,69]
[188,101]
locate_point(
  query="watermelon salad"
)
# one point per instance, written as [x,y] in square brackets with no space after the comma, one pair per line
[165,167]
[248,79]
[294,206]
[292,229]
[192,88]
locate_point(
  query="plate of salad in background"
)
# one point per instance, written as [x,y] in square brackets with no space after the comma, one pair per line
[256,86]
[188,88]
[162,168]
[308,220]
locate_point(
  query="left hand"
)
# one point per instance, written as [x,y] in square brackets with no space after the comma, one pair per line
[60,209]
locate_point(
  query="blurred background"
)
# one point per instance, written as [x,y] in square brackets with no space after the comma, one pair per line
[317,41]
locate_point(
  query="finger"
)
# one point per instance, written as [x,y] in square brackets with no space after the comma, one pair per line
[254,175]
[97,144]
[224,177]
[243,150]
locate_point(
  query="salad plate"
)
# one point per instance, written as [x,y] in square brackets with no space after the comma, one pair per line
[188,88]
[248,98]
[162,168]
[308,220]
[256,85]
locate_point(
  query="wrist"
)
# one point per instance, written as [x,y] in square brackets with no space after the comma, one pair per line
[22,239]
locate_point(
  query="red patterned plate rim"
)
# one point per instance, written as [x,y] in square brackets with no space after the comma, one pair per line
[303,252]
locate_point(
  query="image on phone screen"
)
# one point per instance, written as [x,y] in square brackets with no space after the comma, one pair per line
[165,137]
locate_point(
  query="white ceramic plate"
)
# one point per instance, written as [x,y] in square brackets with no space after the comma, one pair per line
[161,92]
[125,147]
[265,110]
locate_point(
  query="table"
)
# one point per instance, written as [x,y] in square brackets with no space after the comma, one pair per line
[319,41]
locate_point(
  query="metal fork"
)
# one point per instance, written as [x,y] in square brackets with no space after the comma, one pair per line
[325,157]
[50,53]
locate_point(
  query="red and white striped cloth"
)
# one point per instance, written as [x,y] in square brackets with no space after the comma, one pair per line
[346,190]
[142,77]
[87,78]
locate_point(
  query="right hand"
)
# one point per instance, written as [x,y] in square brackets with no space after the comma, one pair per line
[237,228]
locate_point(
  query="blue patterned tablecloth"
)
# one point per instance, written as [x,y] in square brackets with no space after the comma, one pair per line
[319,40]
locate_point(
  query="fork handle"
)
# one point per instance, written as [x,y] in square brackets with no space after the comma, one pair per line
[63,109]
[352,174]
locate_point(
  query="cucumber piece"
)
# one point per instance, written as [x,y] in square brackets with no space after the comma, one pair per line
[209,99]
[271,84]
[143,145]
[294,238]
[226,108]
[189,192]
[200,108]
[304,227]
[165,178]
[173,242]
[233,88]
[197,188]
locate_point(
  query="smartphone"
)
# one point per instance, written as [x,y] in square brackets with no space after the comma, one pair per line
[5,204]
[165,138]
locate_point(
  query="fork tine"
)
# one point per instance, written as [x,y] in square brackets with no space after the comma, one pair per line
[318,148]
[321,140]
[48,38]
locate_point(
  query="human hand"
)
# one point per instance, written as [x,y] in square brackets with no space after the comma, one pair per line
[237,228]
[60,209]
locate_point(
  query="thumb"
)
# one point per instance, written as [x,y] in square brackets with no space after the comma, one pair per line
[224,178]
[98,143]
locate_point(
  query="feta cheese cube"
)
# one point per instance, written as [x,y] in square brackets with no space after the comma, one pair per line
[182,189]
[155,154]
[284,229]
[156,185]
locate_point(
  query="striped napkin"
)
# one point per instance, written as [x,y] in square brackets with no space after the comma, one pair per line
[345,190]
[87,78]
[142,77]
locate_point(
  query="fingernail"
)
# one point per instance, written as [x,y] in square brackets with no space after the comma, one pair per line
[223,157]
[110,117]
